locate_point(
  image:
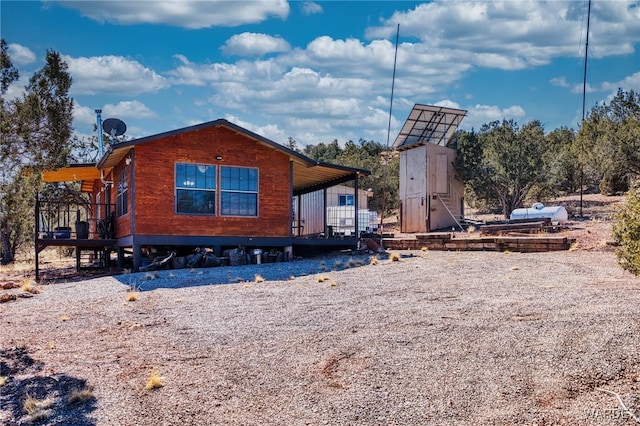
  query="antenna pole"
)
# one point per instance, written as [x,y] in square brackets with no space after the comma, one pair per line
[386,154]
[584,97]
[99,130]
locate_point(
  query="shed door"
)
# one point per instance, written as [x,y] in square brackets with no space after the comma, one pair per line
[413,182]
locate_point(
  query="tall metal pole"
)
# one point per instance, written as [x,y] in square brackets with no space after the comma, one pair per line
[386,165]
[584,97]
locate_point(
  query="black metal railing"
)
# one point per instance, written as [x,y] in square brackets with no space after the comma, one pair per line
[66,220]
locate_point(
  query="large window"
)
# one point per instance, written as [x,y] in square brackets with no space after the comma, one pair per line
[195,188]
[122,204]
[239,191]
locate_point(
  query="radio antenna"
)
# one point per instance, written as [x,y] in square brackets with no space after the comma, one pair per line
[386,154]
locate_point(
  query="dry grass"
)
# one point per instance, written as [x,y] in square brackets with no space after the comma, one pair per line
[394,257]
[373,261]
[3,380]
[37,410]
[29,287]
[259,279]
[64,317]
[154,380]
[322,278]
[80,395]
[132,296]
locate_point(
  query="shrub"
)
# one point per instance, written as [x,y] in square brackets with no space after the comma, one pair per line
[626,232]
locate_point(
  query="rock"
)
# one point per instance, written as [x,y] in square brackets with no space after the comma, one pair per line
[9,285]
[7,298]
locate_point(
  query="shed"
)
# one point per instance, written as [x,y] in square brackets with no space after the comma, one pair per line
[431,193]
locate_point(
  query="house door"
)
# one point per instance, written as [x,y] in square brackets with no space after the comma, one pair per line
[413,189]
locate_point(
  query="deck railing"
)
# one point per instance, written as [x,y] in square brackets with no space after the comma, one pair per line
[66,220]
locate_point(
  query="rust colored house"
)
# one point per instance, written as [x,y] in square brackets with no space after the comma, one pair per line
[211,185]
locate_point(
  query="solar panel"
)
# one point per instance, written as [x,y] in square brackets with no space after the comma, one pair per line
[428,124]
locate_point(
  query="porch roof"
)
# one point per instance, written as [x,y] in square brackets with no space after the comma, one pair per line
[308,174]
[87,173]
[428,124]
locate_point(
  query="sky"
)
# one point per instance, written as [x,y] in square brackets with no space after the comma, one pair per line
[323,71]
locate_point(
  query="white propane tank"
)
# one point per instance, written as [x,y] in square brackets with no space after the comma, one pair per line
[538,210]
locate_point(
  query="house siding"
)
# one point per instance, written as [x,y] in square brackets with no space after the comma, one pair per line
[154,177]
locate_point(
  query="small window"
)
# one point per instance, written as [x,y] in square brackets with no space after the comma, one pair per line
[122,202]
[195,189]
[239,191]
[345,200]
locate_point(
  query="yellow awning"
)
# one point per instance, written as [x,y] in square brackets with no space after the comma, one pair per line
[71,173]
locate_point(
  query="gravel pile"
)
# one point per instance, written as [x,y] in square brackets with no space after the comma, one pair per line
[435,338]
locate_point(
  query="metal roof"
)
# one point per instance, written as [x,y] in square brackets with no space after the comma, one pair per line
[428,124]
[308,174]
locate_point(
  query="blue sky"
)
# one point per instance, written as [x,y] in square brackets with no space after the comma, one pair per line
[319,71]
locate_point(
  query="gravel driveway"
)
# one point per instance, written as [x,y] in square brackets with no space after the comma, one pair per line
[435,338]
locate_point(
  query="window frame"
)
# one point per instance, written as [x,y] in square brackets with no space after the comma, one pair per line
[177,188]
[347,197]
[255,192]
[122,192]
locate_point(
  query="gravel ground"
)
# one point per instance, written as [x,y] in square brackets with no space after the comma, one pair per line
[435,338]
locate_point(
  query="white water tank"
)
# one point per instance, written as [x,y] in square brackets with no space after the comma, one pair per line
[538,210]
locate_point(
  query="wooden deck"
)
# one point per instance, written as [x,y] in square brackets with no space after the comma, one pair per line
[456,242]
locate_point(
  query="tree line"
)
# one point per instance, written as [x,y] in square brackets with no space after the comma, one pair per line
[504,164]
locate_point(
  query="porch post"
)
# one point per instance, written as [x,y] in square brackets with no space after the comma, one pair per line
[291,211]
[35,237]
[324,215]
[355,205]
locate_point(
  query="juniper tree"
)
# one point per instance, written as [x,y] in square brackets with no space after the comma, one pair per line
[36,135]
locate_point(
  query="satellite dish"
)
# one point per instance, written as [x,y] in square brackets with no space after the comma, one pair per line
[114,127]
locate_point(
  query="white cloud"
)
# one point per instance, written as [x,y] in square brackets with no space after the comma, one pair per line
[20,55]
[252,44]
[310,8]
[83,114]
[631,82]
[515,35]
[133,110]
[478,115]
[128,109]
[112,75]
[192,14]
[559,82]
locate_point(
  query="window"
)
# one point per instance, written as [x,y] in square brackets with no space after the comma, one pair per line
[122,204]
[345,200]
[195,189]
[239,191]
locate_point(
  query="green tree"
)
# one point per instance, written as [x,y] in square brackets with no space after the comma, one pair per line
[472,168]
[609,143]
[326,153]
[8,74]
[626,232]
[503,162]
[562,162]
[36,135]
